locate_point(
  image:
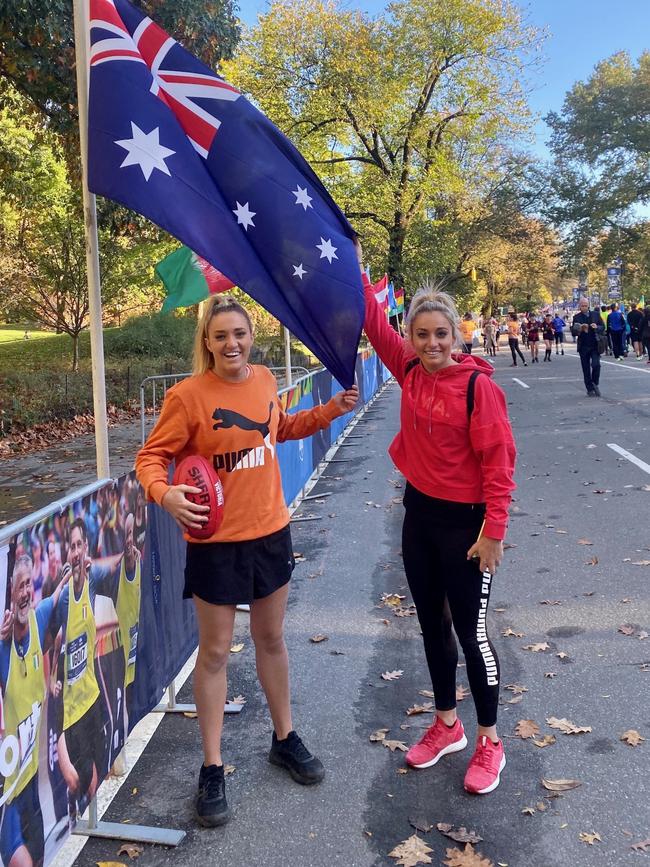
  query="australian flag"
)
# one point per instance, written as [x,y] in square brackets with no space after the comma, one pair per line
[171,140]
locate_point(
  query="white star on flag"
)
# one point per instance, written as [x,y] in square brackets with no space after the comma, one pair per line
[244,215]
[327,250]
[145,150]
[302,197]
[298,271]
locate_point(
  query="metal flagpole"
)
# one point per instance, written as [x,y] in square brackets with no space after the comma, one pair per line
[81,41]
[287,354]
[92,827]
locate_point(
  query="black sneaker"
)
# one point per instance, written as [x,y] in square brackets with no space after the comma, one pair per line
[293,755]
[596,391]
[211,805]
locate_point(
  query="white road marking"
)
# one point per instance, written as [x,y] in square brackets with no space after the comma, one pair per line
[630,457]
[522,384]
[621,365]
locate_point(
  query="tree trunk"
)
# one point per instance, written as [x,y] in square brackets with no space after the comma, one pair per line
[75,352]
[396,238]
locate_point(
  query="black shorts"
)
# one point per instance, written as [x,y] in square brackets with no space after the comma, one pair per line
[231,573]
[86,743]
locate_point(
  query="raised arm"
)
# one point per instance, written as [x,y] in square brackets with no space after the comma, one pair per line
[166,440]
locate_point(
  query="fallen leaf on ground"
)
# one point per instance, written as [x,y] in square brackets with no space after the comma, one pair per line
[562,655]
[402,770]
[467,857]
[517,688]
[632,737]
[395,745]
[550,602]
[514,700]
[528,811]
[299,558]
[392,675]
[411,852]
[592,561]
[584,542]
[420,825]
[641,562]
[545,741]
[190,714]
[427,707]
[537,648]
[526,728]
[379,735]
[510,631]
[627,629]
[316,639]
[131,850]
[643,845]
[462,692]
[460,834]
[589,838]
[560,785]
[238,699]
[642,635]
[110,863]
[405,612]
[566,726]
[392,599]
[228,770]
[426,693]
[550,674]
[237,648]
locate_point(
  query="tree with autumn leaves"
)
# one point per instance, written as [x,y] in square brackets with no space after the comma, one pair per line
[407,116]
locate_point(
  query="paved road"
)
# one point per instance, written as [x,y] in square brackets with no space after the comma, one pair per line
[571,486]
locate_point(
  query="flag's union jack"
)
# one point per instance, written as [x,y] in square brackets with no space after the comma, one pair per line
[178,88]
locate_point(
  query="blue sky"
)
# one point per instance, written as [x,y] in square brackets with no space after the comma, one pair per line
[581,33]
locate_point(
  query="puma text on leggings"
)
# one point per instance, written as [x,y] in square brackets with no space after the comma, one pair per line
[447,589]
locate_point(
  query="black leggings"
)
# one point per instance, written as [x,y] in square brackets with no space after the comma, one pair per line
[513,343]
[448,589]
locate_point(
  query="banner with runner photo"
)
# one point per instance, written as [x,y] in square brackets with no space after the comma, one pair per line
[83,657]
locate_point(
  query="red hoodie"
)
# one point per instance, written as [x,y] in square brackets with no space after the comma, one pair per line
[438,449]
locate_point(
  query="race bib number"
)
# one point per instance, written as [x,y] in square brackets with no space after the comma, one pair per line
[133,643]
[77,654]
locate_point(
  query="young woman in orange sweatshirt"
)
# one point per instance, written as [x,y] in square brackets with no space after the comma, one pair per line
[228,411]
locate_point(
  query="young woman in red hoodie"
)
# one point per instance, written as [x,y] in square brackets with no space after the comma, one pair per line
[456,450]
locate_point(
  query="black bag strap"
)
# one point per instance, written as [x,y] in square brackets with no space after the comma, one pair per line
[411,364]
[471,385]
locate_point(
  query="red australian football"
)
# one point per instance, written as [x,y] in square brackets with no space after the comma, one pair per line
[198,472]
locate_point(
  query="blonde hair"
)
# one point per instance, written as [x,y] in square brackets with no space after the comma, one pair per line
[202,359]
[430,299]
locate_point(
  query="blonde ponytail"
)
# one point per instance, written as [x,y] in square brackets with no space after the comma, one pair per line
[202,359]
[429,299]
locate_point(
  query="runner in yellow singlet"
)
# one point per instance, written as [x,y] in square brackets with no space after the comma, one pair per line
[83,744]
[23,634]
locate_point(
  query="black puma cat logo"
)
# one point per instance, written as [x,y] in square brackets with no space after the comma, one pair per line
[227,418]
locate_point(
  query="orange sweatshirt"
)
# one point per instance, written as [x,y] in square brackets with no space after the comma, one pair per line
[236,426]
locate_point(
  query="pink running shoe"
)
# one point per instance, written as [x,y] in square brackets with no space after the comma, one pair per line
[438,740]
[484,771]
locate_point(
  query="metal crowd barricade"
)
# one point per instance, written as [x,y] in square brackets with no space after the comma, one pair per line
[161,382]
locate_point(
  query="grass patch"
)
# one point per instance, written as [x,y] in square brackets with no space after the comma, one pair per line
[16,334]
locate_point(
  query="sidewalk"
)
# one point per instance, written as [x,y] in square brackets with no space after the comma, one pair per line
[364,807]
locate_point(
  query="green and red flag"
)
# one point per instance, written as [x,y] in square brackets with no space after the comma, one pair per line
[399,301]
[188,279]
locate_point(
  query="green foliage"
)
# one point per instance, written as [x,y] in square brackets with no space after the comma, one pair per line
[37,46]
[601,173]
[156,335]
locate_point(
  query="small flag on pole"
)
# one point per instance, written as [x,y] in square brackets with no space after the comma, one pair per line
[399,301]
[188,279]
[380,289]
